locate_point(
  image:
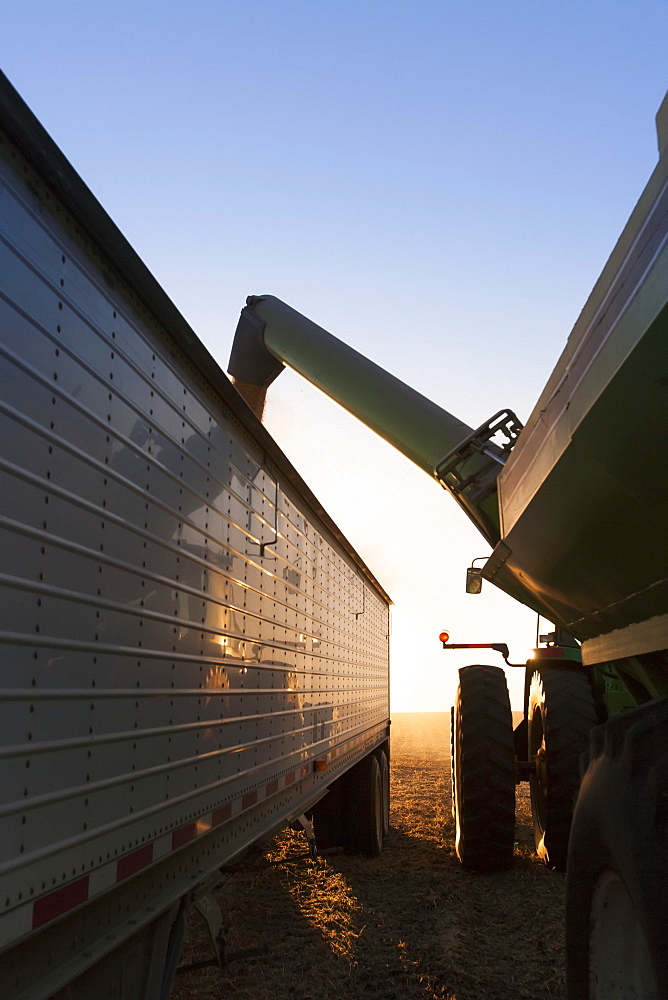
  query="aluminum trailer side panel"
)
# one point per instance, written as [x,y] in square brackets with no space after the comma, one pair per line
[184,630]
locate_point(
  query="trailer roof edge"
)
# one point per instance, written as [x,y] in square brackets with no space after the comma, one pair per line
[57,172]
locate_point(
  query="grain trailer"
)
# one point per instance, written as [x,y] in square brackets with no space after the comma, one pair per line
[193,656]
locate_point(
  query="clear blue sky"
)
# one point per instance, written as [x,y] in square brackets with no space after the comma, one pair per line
[438,183]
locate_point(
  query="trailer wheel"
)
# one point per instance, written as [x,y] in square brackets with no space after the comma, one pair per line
[561,715]
[453,787]
[483,769]
[616,925]
[354,815]
[329,817]
[385,786]
[365,816]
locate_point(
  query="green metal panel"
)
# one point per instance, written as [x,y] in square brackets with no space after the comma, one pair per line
[590,549]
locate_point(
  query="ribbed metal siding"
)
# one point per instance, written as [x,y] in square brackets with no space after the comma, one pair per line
[157,661]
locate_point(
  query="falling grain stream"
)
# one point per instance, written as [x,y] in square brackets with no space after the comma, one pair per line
[410,924]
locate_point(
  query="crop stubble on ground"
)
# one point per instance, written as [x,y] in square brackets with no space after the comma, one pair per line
[410,924]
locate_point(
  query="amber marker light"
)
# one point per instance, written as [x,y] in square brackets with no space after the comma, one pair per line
[320,765]
[444,636]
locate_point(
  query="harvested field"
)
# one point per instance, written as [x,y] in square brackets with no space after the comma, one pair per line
[410,924]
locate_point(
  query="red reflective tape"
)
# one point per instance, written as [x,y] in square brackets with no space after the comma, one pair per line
[249,799]
[59,902]
[222,814]
[271,788]
[134,862]
[290,778]
[184,835]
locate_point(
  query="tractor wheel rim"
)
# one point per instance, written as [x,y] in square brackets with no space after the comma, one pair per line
[619,961]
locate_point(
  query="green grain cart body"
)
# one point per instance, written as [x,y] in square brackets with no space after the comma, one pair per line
[582,498]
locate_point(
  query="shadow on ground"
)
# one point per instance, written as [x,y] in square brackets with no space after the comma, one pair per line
[410,924]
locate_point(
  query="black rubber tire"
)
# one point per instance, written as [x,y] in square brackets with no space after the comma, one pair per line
[617,880]
[453,787]
[484,770]
[329,816]
[352,814]
[561,714]
[384,765]
[365,808]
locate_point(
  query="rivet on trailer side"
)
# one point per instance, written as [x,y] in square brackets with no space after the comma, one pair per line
[193,654]
[574,507]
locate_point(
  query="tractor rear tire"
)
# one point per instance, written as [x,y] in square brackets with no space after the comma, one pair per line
[616,924]
[483,769]
[561,715]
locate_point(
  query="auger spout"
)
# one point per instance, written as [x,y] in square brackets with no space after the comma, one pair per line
[272,335]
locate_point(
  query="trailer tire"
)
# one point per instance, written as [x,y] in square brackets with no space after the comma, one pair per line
[483,769]
[616,926]
[385,786]
[453,787]
[560,716]
[365,808]
[329,817]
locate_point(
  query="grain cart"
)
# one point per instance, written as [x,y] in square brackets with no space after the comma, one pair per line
[193,655]
[574,507]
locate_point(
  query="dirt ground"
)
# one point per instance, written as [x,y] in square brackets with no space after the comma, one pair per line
[410,924]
